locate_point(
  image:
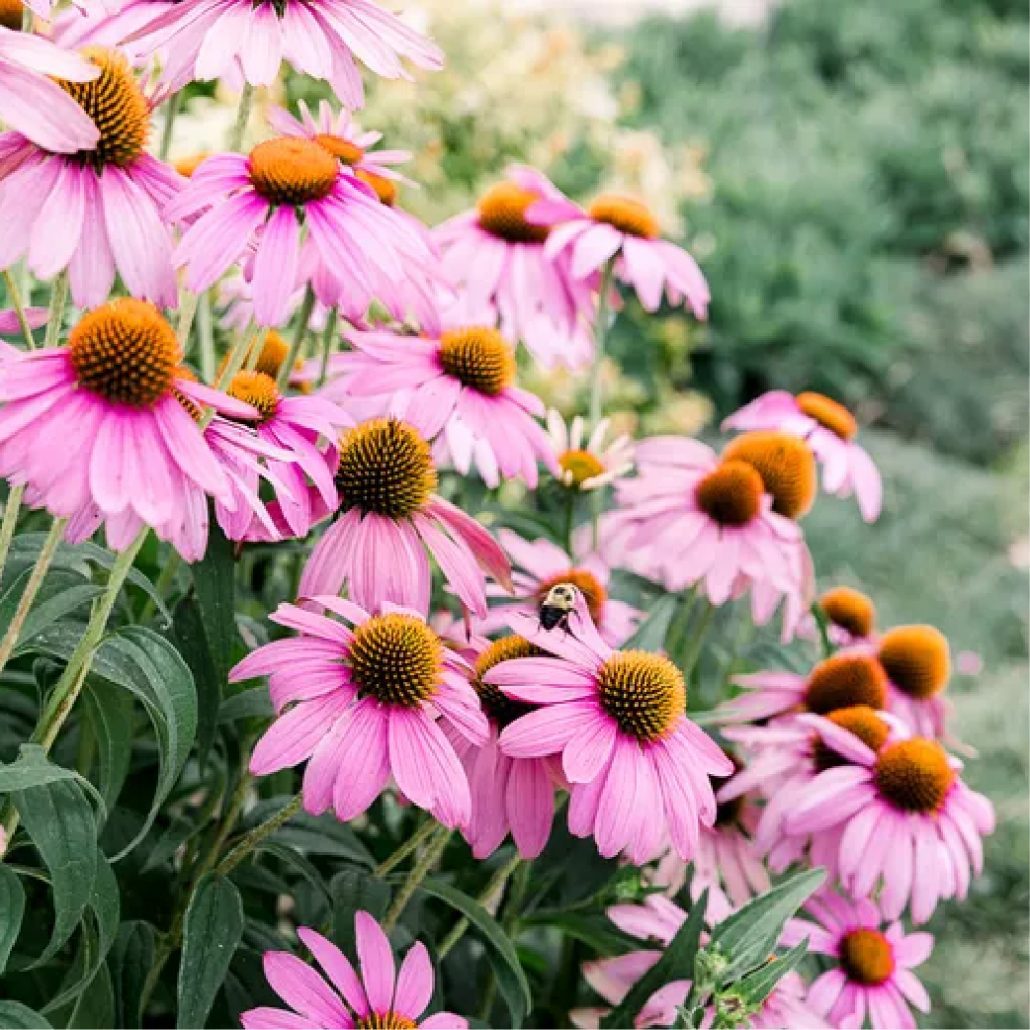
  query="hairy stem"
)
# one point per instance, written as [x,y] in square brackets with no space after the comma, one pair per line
[55,314]
[172,108]
[19,309]
[419,837]
[257,835]
[10,520]
[242,117]
[490,899]
[419,871]
[306,307]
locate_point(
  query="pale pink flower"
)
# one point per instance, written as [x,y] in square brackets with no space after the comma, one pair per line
[458,390]
[639,768]
[364,702]
[207,39]
[688,518]
[540,565]
[917,660]
[850,618]
[337,995]
[904,817]
[11,326]
[588,462]
[871,980]
[294,215]
[830,430]
[495,254]
[388,517]
[99,424]
[623,228]
[96,211]
[32,104]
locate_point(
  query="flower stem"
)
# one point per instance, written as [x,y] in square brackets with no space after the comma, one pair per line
[328,337]
[490,899]
[55,315]
[207,339]
[601,328]
[307,305]
[694,650]
[242,117]
[257,835]
[422,834]
[172,107]
[19,309]
[164,581]
[419,871]
[9,522]
[28,596]
[824,631]
[188,302]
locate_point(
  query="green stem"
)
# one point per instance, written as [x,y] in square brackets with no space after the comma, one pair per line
[419,837]
[257,835]
[19,309]
[188,302]
[164,580]
[694,651]
[242,117]
[9,522]
[328,336]
[172,107]
[601,327]
[824,630]
[419,871]
[489,898]
[205,331]
[570,519]
[38,574]
[26,20]
[236,358]
[55,314]
[306,307]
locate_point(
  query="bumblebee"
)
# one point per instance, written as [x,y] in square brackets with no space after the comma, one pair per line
[558,606]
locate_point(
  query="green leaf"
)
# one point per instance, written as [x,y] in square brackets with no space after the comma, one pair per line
[651,633]
[15,1016]
[32,769]
[48,610]
[676,963]
[749,936]
[351,890]
[192,640]
[758,985]
[131,959]
[212,932]
[95,1006]
[252,703]
[12,908]
[109,711]
[596,931]
[315,834]
[514,986]
[214,582]
[63,826]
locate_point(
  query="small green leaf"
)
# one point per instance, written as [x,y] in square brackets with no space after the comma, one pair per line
[749,936]
[12,908]
[211,934]
[514,987]
[651,633]
[131,959]
[15,1016]
[676,963]
[109,711]
[252,703]
[191,637]
[214,583]
[758,985]
[351,890]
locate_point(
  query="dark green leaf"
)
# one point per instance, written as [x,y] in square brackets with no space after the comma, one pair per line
[676,963]
[12,907]
[131,959]
[758,985]
[48,610]
[95,1007]
[63,826]
[191,637]
[749,936]
[213,581]
[212,931]
[514,987]
[351,890]
[596,931]
[651,633]
[318,835]
[32,769]
[109,711]
[252,703]
[15,1016]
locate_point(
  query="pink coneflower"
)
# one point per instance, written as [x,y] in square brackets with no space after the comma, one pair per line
[389,516]
[513,795]
[917,660]
[97,210]
[495,253]
[35,106]
[639,768]
[871,979]
[657,921]
[830,430]
[99,424]
[458,390]
[307,219]
[306,428]
[340,996]
[620,227]
[587,462]
[10,324]
[540,565]
[360,703]
[207,39]
[903,815]
[690,518]
[850,617]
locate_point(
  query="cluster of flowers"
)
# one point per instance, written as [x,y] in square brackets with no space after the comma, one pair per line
[113,430]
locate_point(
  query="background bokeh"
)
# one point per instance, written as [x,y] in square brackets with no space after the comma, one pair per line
[854,180]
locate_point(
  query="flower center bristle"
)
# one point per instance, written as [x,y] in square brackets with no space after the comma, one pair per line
[343,150]
[290,170]
[502,212]
[386,468]
[117,106]
[863,722]
[499,708]
[829,414]
[479,358]
[845,680]
[579,467]
[731,494]
[914,775]
[786,465]
[258,389]
[867,957]
[917,660]
[126,352]
[386,189]
[386,1021]
[586,582]
[396,659]
[643,692]
[10,14]
[626,214]
[850,609]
